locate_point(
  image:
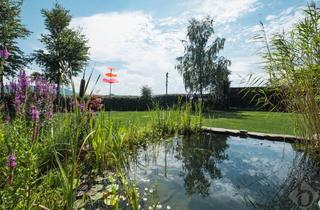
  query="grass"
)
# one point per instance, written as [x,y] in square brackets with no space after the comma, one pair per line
[256,121]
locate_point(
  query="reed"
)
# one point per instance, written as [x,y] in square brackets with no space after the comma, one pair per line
[292,61]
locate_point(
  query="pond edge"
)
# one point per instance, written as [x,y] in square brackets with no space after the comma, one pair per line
[244,133]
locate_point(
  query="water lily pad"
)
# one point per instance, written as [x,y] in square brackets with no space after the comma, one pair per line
[111,178]
[97,196]
[111,200]
[99,179]
[83,187]
[112,188]
[79,204]
[97,187]
[80,194]
[84,176]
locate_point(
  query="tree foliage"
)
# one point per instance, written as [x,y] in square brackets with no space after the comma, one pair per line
[146,95]
[66,51]
[203,70]
[11,29]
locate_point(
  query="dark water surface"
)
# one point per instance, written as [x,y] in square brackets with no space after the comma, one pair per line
[210,171]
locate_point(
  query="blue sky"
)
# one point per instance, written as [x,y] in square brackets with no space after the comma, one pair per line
[141,38]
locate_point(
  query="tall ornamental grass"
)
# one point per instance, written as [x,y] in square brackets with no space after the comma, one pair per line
[292,61]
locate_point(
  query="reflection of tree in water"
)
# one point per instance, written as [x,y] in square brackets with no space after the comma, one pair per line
[199,155]
[304,169]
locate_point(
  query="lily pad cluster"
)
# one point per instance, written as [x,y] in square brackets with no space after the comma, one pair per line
[101,192]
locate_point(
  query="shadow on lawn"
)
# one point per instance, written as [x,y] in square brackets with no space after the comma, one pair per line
[225,114]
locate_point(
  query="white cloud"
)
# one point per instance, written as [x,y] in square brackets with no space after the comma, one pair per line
[270,17]
[145,48]
[243,66]
[134,40]
[226,11]
[283,21]
[249,61]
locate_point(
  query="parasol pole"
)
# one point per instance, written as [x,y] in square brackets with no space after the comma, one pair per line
[110,96]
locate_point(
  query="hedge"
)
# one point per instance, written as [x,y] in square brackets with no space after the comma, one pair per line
[239,98]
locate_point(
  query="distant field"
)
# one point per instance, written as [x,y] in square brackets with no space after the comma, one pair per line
[266,122]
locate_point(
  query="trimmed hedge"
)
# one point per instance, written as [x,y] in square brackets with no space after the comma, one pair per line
[239,98]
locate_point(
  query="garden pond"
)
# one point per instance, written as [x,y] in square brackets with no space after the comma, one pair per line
[215,171]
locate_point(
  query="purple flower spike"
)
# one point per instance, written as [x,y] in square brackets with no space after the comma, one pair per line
[4,53]
[49,114]
[12,161]
[35,114]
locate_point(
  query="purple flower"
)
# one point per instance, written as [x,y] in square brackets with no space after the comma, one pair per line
[4,53]
[12,87]
[23,81]
[49,114]
[19,89]
[82,106]
[35,114]
[7,119]
[12,161]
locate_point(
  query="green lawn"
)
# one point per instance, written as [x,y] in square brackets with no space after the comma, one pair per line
[266,122]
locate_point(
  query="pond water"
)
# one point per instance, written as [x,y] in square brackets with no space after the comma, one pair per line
[211,171]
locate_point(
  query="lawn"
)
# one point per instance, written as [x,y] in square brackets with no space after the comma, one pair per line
[257,121]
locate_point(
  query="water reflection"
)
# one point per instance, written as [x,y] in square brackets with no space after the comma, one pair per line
[221,172]
[199,156]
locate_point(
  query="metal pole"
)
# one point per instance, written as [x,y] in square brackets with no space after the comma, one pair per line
[167,75]
[110,97]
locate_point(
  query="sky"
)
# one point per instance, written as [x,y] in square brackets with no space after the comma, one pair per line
[142,38]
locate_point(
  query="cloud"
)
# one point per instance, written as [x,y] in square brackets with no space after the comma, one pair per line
[136,42]
[144,48]
[226,11]
[242,67]
[282,22]
[250,61]
[270,17]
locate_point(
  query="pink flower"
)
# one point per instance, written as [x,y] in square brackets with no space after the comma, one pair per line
[49,114]
[35,114]
[12,161]
[4,53]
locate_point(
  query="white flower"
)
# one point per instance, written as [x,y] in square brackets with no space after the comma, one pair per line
[168,207]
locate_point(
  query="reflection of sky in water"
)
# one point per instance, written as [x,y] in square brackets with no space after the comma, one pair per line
[214,171]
